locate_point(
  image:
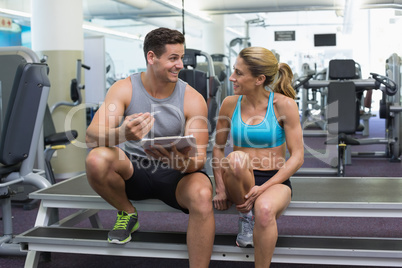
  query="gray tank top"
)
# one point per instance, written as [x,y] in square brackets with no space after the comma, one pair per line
[170,121]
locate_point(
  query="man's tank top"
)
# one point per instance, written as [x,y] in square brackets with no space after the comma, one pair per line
[266,134]
[170,121]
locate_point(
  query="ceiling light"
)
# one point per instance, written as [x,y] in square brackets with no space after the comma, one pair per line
[86,26]
[230,29]
[178,7]
[15,13]
[95,28]
[140,4]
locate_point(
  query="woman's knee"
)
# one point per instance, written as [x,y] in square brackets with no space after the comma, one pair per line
[238,162]
[265,214]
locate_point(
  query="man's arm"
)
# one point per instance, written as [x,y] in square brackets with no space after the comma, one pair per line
[105,128]
[196,114]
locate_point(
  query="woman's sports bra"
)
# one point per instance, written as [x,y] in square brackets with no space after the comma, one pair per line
[267,134]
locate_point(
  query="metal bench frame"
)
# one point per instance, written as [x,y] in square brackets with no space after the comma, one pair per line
[325,196]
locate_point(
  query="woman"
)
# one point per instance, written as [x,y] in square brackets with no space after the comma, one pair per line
[263,120]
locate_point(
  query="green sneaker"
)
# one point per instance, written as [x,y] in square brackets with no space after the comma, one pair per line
[124,226]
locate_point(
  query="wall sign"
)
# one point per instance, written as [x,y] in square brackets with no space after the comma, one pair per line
[285,35]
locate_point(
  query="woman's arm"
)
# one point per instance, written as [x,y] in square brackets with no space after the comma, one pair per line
[288,114]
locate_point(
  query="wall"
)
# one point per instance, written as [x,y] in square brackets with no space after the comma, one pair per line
[373,38]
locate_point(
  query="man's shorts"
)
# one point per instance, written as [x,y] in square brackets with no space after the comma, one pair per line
[154,180]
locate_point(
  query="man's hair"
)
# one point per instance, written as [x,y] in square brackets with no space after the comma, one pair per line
[157,39]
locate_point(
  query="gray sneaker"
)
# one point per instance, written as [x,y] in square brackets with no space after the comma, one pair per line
[124,226]
[245,236]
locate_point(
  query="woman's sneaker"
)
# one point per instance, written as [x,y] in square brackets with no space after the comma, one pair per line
[124,226]
[245,236]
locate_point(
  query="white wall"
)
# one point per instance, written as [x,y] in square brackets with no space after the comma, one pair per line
[374,37]
[127,56]
[95,78]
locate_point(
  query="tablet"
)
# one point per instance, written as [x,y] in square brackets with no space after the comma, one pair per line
[181,142]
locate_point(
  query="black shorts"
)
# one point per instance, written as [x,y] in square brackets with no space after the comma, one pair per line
[261,176]
[154,180]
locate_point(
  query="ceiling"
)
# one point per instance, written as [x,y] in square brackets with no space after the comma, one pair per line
[130,15]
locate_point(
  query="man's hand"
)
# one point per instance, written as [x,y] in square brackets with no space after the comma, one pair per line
[175,159]
[136,126]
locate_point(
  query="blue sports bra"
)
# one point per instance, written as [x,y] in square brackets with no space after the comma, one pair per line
[267,134]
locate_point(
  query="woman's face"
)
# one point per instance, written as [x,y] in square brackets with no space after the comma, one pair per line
[243,81]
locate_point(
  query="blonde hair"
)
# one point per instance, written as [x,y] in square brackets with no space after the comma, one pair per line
[262,61]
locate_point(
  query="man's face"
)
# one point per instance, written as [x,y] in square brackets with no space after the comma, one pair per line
[168,66]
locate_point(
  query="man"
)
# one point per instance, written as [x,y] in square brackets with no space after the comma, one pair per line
[119,170]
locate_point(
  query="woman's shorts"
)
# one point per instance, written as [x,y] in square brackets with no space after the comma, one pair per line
[261,176]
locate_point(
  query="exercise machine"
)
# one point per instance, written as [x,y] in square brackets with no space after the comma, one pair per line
[208,84]
[390,110]
[205,82]
[54,140]
[222,72]
[20,136]
[75,89]
[342,111]
[311,102]
[393,110]
[10,59]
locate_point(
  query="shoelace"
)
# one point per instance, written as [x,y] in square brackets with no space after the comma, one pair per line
[247,226]
[122,221]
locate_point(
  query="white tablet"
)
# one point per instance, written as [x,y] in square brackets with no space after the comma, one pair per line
[180,142]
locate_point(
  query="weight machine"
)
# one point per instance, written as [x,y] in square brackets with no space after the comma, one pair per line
[342,111]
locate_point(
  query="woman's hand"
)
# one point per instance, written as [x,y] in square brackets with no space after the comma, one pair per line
[250,197]
[221,201]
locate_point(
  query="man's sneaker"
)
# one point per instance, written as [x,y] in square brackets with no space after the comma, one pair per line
[124,226]
[245,236]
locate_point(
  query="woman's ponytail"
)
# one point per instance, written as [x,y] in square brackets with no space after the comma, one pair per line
[284,83]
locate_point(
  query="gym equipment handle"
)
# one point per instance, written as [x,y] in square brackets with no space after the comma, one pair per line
[390,86]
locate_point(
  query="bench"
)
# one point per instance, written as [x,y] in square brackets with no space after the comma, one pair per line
[319,196]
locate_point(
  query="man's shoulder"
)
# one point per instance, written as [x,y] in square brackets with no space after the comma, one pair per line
[194,102]
[121,88]
[191,93]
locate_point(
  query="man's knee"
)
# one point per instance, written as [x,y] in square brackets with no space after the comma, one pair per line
[95,159]
[199,194]
[100,159]
[202,204]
